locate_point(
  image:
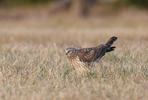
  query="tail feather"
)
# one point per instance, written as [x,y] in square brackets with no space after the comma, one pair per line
[111,41]
[110,49]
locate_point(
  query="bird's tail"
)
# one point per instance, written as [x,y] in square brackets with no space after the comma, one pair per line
[110,42]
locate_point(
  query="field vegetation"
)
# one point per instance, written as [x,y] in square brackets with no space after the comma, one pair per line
[33,65]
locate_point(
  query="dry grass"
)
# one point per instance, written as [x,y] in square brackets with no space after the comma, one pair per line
[33,65]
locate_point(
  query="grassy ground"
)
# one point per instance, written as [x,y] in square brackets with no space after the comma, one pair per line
[33,65]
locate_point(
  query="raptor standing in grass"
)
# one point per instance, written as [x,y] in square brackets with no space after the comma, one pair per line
[82,58]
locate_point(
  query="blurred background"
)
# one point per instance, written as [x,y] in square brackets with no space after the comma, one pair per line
[29,20]
[83,8]
[35,33]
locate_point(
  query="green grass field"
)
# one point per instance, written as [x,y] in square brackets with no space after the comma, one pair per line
[33,65]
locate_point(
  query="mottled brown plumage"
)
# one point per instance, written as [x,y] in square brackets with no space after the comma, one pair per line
[82,58]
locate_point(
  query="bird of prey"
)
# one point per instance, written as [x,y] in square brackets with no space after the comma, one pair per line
[82,58]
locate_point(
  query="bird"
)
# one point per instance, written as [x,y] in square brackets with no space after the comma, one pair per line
[82,58]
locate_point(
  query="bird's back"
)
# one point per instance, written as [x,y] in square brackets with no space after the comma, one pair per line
[84,56]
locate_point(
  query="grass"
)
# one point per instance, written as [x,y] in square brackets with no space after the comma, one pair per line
[33,64]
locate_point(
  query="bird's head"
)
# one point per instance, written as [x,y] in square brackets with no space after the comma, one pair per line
[70,51]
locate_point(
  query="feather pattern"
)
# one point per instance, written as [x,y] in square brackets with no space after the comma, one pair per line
[82,58]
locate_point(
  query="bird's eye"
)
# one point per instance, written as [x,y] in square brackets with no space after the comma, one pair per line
[67,52]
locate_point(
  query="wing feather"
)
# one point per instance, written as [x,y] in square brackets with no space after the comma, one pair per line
[86,54]
[101,50]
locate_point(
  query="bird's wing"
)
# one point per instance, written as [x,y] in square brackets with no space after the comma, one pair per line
[100,52]
[86,54]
